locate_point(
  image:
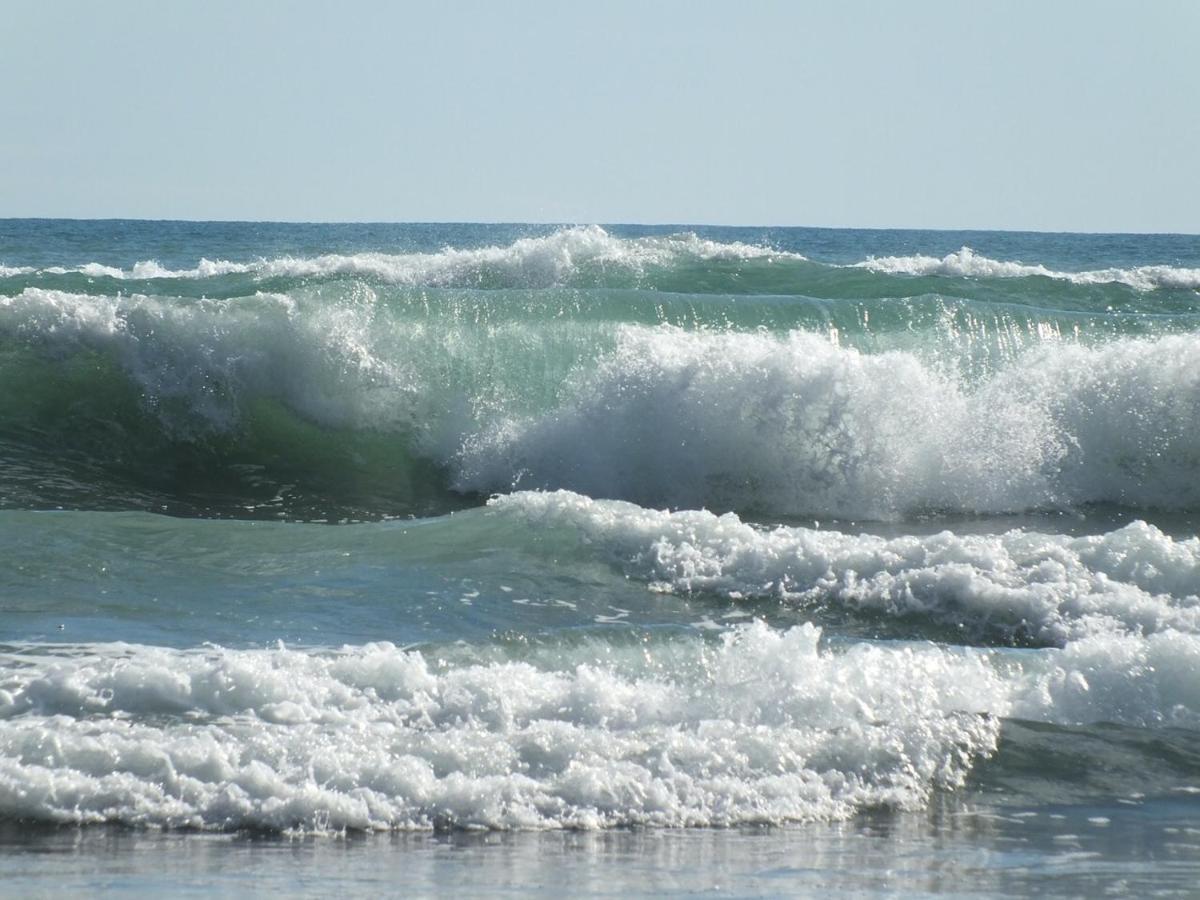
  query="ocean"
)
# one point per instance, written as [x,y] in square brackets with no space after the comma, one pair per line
[498,558]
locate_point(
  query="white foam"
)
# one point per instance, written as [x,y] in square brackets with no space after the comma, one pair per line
[528,262]
[763,727]
[966,263]
[94,270]
[554,258]
[1051,588]
[206,268]
[1125,678]
[796,424]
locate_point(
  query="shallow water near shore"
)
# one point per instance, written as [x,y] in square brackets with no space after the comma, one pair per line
[1152,849]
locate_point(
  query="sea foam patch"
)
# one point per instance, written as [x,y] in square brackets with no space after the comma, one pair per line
[759,727]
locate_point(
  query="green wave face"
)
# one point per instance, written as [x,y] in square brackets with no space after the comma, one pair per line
[360,385]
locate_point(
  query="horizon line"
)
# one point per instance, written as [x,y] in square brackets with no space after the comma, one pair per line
[583,224]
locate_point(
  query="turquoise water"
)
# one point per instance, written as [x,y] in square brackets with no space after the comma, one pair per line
[759,558]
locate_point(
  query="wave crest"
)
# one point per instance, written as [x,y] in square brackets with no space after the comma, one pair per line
[545,261]
[966,263]
[1048,588]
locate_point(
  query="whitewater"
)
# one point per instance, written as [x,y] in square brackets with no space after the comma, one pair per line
[616,534]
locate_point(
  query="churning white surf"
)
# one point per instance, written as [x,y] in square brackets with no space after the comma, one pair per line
[763,726]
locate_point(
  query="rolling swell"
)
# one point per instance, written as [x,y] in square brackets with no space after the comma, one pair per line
[589,258]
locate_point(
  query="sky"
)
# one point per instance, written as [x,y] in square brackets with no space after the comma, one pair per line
[1074,115]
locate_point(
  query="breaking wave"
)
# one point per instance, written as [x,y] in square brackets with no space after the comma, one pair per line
[966,263]
[591,256]
[528,262]
[792,423]
[1020,585]
[796,424]
[763,726]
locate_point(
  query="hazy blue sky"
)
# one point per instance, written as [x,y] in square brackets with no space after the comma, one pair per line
[1041,115]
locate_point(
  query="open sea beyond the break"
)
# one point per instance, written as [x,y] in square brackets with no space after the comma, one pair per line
[350,559]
